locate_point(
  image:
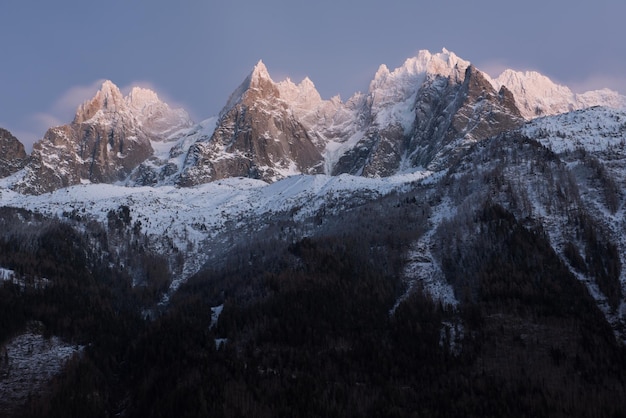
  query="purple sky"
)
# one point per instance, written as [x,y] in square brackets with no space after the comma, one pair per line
[195,53]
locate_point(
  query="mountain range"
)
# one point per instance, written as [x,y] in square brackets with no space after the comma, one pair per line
[467,229]
[414,117]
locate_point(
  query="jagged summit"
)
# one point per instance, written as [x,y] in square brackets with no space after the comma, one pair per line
[258,77]
[108,99]
[109,136]
[141,105]
[419,115]
[537,95]
[444,64]
[139,98]
[259,72]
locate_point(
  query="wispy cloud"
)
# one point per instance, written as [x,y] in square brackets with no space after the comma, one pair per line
[60,112]
[492,67]
[65,106]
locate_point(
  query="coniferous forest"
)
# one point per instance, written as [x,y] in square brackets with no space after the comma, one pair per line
[314,316]
[316,326]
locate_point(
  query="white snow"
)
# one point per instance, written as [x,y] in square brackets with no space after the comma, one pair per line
[594,129]
[27,362]
[216,311]
[6,274]
[191,216]
[537,95]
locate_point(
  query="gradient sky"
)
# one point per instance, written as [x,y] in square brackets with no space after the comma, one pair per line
[194,53]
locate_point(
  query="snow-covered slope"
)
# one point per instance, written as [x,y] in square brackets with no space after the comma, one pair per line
[536,95]
[190,218]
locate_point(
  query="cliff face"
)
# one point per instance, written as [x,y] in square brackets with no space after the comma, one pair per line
[12,154]
[109,137]
[439,103]
[258,135]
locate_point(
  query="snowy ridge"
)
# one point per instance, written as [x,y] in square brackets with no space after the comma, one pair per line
[392,93]
[537,95]
[595,129]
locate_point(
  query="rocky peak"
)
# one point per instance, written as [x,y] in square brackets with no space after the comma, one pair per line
[258,84]
[12,154]
[424,112]
[388,88]
[140,98]
[109,137]
[259,134]
[108,99]
[259,74]
[157,119]
[537,95]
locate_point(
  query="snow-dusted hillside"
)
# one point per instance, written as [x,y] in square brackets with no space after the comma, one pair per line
[190,218]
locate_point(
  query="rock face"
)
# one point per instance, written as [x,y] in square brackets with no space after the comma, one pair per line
[109,137]
[422,112]
[12,154]
[418,116]
[258,135]
[408,118]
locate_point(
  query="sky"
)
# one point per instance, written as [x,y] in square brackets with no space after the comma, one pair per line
[55,54]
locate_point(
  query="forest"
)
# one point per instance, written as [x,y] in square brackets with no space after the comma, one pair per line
[320,324]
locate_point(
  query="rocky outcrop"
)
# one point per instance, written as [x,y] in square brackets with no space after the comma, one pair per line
[425,111]
[13,157]
[109,137]
[258,135]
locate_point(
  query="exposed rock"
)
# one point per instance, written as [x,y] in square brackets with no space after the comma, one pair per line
[258,135]
[13,157]
[420,125]
[109,137]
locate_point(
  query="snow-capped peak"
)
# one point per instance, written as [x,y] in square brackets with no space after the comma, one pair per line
[302,95]
[139,98]
[141,106]
[537,95]
[109,99]
[255,80]
[414,69]
[259,72]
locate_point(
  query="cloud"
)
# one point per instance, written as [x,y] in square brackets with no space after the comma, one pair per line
[65,106]
[60,112]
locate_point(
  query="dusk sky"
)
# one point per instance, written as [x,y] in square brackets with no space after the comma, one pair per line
[195,53]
